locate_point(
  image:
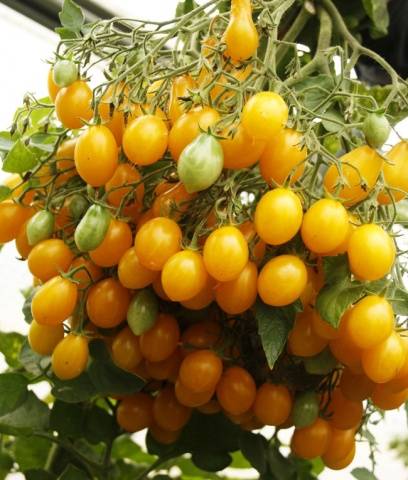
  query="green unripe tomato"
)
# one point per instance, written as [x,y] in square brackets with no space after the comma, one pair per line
[91,230]
[201,163]
[321,364]
[305,409]
[376,129]
[142,312]
[332,143]
[77,206]
[64,73]
[40,227]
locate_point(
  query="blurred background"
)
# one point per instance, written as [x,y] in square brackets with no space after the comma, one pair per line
[27,41]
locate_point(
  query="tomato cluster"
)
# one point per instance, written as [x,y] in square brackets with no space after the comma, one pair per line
[132,232]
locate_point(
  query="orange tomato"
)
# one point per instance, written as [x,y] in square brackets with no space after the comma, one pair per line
[240,150]
[117,241]
[73,104]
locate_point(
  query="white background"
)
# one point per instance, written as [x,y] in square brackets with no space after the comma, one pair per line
[24,49]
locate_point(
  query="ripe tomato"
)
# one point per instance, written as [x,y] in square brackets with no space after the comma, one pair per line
[204,334]
[144,218]
[400,381]
[48,258]
[200,371]
[240,150]
[203,298]
[284,207]
[12,218]
[321,327]
[55,301]
[135,413]
[341,443]
[125,350]
[158,289]
[370,322]
[132,274]
[44,338]
[210,407]
[305,409]
[184,275]
[191,399]
[371,252]
[19,189]
[238,295]
[360,169]
[65,161]
[264,115]
[303,341]
[181,87]
[282,280]
[345,413]
[70,357]
[257,246]
[53,88]
[114,120]
[342,248]
[240,36]
[168,413]
[73,104]
[156,241]
[121,194]
[164,436]
[107,303]
[161,340]
[40,227]
[385,399]
[356,387]
[225,253]
[312,441]
[117,241]
[273,404]
[344,349]
[382,362]
[167,369]
[96,155]
[395,174]
[315,281]
[22,245]
[90,273]
[325,226]
[149,131]
[283,157]
[236,391]
[188,126]
[173,202]
[342,463]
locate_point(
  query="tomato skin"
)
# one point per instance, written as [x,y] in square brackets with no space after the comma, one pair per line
[125,350]
[191,399]
[161,340]
[382,362]
[164,436]
[167,369]
[115,121]
[64,73]
[283,156]
[91,273]
[168,413]
[241,150]
[344,349]
[156,241]
[210,407]
[325,226]
[303,341]
[385,399]
[395,174]
[356,387]
[305,409]
[48,258]
[236,391]
[142,312]
[184,275]
[238,295]
[126,174]
[264,115]
[132,274]
[73,104]
[96,155]
[55,301]
[40,227]
[312,441]
[53,88]
[341,443]
[200,371]
[376,129]
[241,36]
[12,218]
[70,357]
[44,338]
[273,404]
[225,253]
[321,327]
[135,413]
[204,334]
[92,228]
[342,463]
[188,126]
[149,131]
[173,202]
[361,163]
[345,413]
[256,245]
[107,303]
[285,270]
[371,252]
[371,321]
[285,208]
[180,87]
[22,245]
[400,381]
[203,298]
[117,241]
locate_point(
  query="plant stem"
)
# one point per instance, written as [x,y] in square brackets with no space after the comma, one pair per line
[51,457]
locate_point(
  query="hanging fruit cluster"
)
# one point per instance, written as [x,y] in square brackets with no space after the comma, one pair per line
[222,232]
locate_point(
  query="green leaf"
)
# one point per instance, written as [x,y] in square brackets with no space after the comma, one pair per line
[378,12]
[274,325]
[28,316]
[6,142]
[67,419]
[19,159]
[33,362]
[363,474]
[31,452]
[5,192]
[333,126]
[71,15]
[189,470]
[43,141]
[126,470]
[13,388]
[73,473]
[211,461]
[37,474]
[30,417]
[399,300]
[99,425]
[10,346]
[125,447]
[6,463]
[239,461]
[79,389]
[281,466]
[254,448]
[185,6]
[66,33]
[314,90]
